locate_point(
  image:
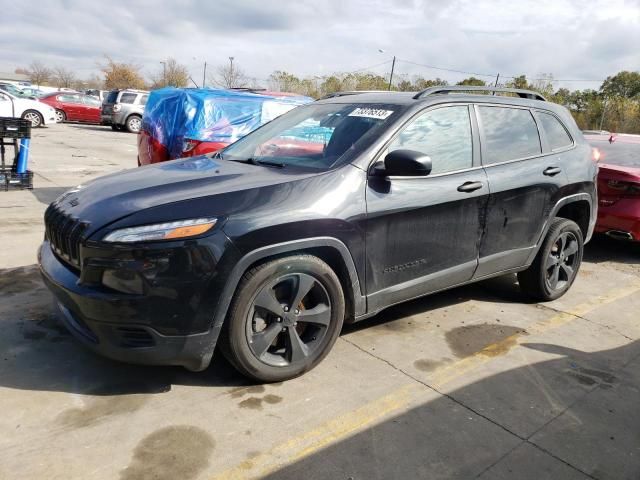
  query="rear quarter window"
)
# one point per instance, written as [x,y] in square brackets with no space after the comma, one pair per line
[143,99]
[509,134]
[556,133]
[128,97]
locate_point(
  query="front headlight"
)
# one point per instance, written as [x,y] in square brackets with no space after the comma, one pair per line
[162,231]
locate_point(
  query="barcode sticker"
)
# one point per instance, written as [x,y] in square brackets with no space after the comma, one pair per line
[371,113]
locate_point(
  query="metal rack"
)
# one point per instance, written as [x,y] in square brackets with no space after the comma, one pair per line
[12,133]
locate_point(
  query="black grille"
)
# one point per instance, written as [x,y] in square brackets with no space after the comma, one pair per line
[64,232]
[134,337]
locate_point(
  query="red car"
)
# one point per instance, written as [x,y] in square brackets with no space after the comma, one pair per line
[74,107]
[618,184]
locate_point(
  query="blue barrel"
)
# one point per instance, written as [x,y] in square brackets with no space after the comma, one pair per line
[23,155]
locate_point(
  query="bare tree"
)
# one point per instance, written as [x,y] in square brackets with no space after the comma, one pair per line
[63,78]
[121,75]
[229,76]
[172,74]
[39,74]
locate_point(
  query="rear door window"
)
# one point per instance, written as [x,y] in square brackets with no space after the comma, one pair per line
[128,97]
[444,134]
[69,98]
[555,132]
[92,101]
[509,134]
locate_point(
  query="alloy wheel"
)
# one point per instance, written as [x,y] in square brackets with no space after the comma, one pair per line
[60,116]
[134,124]
[561,261]
[288,320]
[34,118]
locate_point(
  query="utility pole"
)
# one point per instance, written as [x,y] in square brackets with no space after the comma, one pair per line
[204,75]
[231,81]
[497,78]
[164,74]
[604,108]
[393,66]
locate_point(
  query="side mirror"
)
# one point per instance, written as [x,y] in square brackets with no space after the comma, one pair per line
[406,163]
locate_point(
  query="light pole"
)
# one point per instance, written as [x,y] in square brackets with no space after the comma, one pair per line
[164,74]
[393,66]
[231,80]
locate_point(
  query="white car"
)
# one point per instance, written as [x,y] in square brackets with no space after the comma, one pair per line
[36,112]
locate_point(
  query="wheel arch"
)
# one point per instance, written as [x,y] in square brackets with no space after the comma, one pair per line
[572,207]
[331,250]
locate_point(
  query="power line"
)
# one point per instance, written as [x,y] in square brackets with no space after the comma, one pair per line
[492,75]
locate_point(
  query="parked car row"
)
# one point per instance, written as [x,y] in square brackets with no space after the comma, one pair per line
[38,113]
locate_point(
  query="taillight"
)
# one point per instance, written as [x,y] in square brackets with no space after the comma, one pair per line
[595,154]
[117,107]
[625,189]
[188,145]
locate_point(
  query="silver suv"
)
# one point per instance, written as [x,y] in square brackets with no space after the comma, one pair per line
[122,109]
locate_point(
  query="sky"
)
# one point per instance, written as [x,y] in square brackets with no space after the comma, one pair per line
[572,40]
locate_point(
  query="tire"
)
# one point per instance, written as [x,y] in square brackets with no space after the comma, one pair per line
[60,116]
[134,122]
[270,340]
[34,117]
[556,265]
[115,128]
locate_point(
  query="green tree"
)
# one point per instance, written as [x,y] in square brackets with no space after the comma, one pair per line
[472,81]
[420,83]
[623,84]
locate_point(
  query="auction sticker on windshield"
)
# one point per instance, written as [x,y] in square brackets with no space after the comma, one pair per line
[371,113]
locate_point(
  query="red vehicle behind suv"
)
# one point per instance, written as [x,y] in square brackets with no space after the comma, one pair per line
[618,184]
[74,107]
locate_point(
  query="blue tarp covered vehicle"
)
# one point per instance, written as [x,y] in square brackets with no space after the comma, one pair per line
[182,122]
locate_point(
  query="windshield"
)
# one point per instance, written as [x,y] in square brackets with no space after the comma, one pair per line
[313,136]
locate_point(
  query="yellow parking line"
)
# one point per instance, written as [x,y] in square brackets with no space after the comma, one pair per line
[324,435]
[349,423]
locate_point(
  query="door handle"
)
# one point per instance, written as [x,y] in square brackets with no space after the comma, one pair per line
[551,171]
[469,186]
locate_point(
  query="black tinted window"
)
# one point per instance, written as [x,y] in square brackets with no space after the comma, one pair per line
[509,133]
[444,134]
[128,97]
[557,135]
[112,97]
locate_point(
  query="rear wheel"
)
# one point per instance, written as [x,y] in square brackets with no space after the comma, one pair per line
[134,123]
[60,116]
[557,263]
[285,317]
[34,117]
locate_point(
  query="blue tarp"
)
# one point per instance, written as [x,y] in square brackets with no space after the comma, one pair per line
[172,115]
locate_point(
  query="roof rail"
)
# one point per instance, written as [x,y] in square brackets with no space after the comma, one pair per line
[352,92]
[530,94]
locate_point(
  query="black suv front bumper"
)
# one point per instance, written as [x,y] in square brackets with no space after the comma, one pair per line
[162,326]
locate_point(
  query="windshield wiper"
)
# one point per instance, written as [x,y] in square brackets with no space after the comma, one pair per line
[253,161]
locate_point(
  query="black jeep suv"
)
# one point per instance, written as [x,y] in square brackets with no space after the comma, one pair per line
[330,213]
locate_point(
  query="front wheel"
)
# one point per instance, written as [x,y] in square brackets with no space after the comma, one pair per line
[557,263]
[285,317]
[34,117]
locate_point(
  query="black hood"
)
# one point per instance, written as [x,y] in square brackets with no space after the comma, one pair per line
[112,197]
